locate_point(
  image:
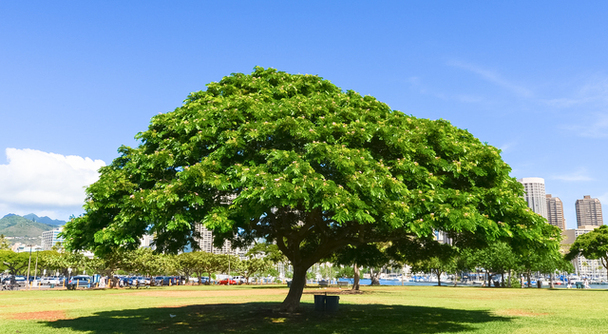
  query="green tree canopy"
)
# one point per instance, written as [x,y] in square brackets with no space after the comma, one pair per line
[591,245]
[296,161]
[4,244]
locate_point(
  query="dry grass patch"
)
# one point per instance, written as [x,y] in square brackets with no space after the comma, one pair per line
[42,315]
[520,313]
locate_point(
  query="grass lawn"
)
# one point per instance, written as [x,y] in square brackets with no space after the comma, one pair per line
[247,309]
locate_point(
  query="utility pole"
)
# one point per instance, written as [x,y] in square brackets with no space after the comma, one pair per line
[28,267]
[36,268]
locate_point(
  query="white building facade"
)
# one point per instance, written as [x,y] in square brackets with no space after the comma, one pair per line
[51,238]
[535,194]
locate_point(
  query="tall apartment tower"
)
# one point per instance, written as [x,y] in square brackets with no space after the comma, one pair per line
[205,242]
[555,212]
[588,212]
[535,194]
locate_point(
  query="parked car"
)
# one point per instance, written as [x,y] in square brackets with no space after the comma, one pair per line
[226,281]
[138,281]
[158,280]
[82,281]
[52,280]
[18,282]
[205,280]
[171,280]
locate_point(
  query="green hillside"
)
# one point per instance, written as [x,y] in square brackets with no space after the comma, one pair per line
[17,226]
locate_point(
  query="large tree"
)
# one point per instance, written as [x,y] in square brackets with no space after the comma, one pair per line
[296,161]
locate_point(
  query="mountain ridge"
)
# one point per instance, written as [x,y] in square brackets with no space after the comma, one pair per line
[44,220]
[13,225]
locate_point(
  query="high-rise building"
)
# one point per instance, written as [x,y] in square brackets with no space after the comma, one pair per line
[535,194]
[588,212]
[51,238]
[555,212]
[205,243]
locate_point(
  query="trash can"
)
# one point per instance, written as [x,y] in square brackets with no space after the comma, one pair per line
[331,303]
[289,284]
[320,303]
[52,286]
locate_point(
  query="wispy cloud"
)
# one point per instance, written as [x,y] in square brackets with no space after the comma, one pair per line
[507,146]
[596,89]
[562,102]
[578,175]
[592,93]
[493,77]
[603,198]
[416,84]
[595,126]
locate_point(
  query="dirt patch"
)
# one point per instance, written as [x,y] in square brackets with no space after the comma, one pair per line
[520,313]
[43,315]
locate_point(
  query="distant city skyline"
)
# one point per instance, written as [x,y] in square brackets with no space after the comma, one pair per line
[81,79]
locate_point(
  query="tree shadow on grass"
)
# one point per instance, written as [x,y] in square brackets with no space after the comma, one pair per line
[265,318]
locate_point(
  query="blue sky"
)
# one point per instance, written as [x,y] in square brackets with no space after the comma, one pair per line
[78,79]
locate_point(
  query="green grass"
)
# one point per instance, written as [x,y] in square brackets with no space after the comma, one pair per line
[212,309]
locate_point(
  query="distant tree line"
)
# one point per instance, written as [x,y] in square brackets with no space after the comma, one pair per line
[261,261]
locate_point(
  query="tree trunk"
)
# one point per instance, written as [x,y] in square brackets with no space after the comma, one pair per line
[438,277]
[528,273]
[551,281]
[456,276]
[502,279]
[292,301]
[356,279]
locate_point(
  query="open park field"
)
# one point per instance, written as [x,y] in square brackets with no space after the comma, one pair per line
[253,309]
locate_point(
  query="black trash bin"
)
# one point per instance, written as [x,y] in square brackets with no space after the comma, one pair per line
[289,284]
[331,303]
[320,303]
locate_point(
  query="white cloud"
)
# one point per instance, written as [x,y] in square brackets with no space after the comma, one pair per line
[493,77]
[579,175]
[36,181]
